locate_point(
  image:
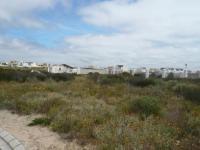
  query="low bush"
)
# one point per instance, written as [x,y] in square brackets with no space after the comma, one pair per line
[191,125]
[146,106]
[111,79]
[94,76]
[141,82]
[170,76]
[26,75]
[129,132]
[61,76]
[13,76]
[114,115]
[188,91]
[40,121]
[38,102]
[81,116]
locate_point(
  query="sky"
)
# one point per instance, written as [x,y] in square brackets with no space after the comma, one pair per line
[136,33]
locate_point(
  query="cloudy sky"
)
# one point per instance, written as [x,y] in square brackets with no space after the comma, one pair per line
[152,33]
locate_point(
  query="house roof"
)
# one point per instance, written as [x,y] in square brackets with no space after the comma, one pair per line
[67,66]
[92,68]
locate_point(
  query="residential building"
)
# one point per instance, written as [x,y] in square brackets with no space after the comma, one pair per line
[60,69]
[177,72]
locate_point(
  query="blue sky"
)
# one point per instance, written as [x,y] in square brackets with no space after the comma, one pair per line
[152,33]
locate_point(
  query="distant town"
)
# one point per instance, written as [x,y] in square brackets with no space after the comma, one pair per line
[112,70]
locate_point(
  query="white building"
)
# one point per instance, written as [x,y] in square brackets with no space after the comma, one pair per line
[118,69]
[145,71]
[13,63]
[177,72]
[22,64]
[138,71]
[111,70]
[28,64]
[60,69]
[194,74]
[3,64]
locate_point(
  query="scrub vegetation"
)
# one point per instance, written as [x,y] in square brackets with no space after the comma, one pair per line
[108,111]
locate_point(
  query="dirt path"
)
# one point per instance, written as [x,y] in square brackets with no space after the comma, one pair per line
[34,138]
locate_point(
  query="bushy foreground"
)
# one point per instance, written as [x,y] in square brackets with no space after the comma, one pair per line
[112,112]
[26,75]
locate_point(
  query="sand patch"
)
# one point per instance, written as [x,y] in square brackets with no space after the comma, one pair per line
[36,137]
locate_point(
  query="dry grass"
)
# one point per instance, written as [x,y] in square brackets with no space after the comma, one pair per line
[100,113]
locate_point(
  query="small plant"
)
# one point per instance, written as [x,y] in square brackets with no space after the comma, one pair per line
[40,121]
[146,106]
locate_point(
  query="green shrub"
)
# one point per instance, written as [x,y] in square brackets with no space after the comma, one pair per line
[146,106]
[40,121]
[26,75]
[111,79]
[141,82]
[94,76]
[13,76]
[170,76]
[61,76]
[191,125]
[189,92]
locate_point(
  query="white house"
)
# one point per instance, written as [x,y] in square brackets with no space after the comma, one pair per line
[13,63]
[60,69]
[3,64]
[23,64]
[29,64]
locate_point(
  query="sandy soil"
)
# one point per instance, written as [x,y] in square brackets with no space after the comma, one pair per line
[35,138]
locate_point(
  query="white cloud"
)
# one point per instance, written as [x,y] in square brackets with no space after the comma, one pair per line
[23,12]
[149,32]
[165,16]
[12,49]
[16,49]
[124,48]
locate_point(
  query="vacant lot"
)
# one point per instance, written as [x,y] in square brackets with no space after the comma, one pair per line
[109,112]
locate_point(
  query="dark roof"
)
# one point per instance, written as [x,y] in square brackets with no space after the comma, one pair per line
[92,68]
[68,66]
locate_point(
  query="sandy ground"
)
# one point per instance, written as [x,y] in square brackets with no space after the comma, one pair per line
[35,138]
